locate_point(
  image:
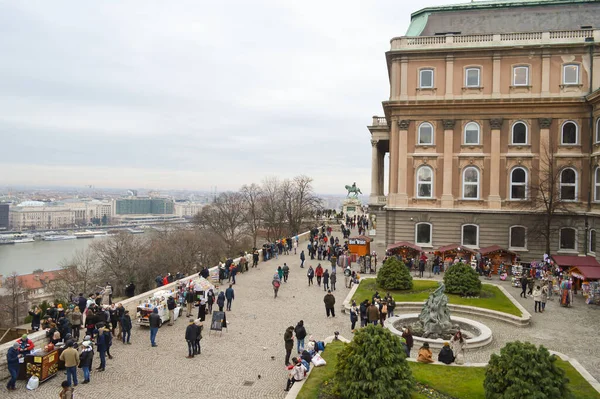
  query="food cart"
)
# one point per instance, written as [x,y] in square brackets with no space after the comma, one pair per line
[40,363]
[498,255]
[360,247]
[159,301]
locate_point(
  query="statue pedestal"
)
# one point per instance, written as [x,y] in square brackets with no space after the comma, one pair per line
[352,206]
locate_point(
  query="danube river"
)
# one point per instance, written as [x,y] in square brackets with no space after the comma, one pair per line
[47,255]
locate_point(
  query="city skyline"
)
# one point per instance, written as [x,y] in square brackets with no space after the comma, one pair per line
[192,95]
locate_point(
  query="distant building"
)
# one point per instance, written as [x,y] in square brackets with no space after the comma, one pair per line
[144,206]
[187,209]
[36,215]
[4,220]
[94,211]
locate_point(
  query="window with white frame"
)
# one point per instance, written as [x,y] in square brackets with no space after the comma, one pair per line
[597,184]
[518,184]
[471,183]
[425,133]
[519,133]
[568,238]
[592,241]
[426,78]
[598,130]
[424,182]
[423,234]
[568,184]
[571,74]
[472,133]
[470,235]
[568,133]
[472,77]
[518,237]
[521,76]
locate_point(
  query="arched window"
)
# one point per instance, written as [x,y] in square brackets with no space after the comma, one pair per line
[569,132]
[518,184]
[424,182]
[425,133]
[423,233]
[470,235]
[519,133]
[518,237]
[598,130]
[471,183]
[592,241]
[568,238]
[472,133]
[597,184]
[568,184]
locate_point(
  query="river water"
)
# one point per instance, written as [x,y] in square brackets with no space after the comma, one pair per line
[47,255]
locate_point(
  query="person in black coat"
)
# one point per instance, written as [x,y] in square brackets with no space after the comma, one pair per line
[446,356]
[221,301]
[199,327]
[130,290]
[81,302]
[190,337]
[202,310]
[126,327]
[300,335]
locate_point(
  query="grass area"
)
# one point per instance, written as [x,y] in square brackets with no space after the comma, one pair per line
[580,388]
[318,375]
[490,298]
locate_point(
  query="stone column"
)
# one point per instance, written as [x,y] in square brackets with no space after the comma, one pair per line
[494,200]
[393,173]
[496,75]
[374,171]
[545,146]
[447,197]
[545,74]
[402,198]
[380,164]
[403,77]
[449,76]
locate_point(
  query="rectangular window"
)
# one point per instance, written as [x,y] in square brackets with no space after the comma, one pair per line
[521,76]
[423,234]
[472,77]
[571,74]
[426,78]
[470,235]
[567,238]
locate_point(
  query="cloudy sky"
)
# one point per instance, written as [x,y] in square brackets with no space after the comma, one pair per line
[192,94]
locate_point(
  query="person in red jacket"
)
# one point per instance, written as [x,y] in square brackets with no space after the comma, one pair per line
[319,273]
[25,345]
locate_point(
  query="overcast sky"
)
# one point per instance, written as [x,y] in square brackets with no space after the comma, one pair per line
[193,94]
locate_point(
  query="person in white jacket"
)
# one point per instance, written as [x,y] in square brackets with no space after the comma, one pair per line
[296,373]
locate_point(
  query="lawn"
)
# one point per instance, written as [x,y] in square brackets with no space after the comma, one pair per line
[490,298]
[458,382]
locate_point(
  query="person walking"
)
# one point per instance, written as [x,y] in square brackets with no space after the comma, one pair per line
[101,347]
[210,300]
[310,274]
[348,277]
[12,360]
[295,246]
[154,325]
[288,338]
[373,313]
[353,316]
[189,301]
[276,284]
[326,280]
[537,298]
[198,324]
[171,305]
[286,272]
[530,284]
[71,358]
[523,282]
[202,309]
[67,391]
[221,301]
[422,266]
[333,279]
[319,274]
[300,335]
[391,304]
[85,360]
[407,335]
[190,337]
[230,296]
[544,298]
[126,327]
[302,258]
[329,301]
[364,305]
[280,272]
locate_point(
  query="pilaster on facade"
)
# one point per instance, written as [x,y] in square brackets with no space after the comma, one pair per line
[447,199]
[494,199]
[402,148]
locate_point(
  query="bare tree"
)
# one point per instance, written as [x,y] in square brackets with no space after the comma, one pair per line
[176,250]
[252,196]
[225,218]
[80,274]
[272,207]
[13,300]
[300,201]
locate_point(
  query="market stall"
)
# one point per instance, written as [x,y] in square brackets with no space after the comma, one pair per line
[582,269]
[158,301]
[448,253]
[589,276]
[498,256]
[404,249]
[360,250]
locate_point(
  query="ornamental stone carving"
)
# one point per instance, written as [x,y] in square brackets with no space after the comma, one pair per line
[545,123]
[403,124]
[374,142]
[448,124]
[496,123]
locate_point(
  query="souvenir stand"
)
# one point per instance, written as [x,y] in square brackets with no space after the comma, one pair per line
[517,273]
[450,252]
[360,247]
[593,297]
[589,276]
[158,300]
[498,255]
[405,250]
[580,268]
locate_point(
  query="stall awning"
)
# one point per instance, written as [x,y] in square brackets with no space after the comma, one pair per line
[586,272]
[364,238]
[494,249]
[404,244]
[575,261]
[455,247]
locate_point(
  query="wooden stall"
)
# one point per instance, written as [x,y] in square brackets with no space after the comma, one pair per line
[581,268]
[496,254]
[360,245]
[405,250]
[449,252]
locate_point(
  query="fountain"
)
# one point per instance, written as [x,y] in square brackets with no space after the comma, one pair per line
[434,324]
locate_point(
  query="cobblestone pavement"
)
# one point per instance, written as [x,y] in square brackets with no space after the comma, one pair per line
[255,334]
[241,353]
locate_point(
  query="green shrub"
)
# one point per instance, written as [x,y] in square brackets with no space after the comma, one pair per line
[394,275]
[463,280]
[524,371]
[374,366]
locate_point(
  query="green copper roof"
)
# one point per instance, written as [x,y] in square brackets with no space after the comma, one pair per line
[477,5]
[417,24]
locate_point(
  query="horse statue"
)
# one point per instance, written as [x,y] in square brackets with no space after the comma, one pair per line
[353,190]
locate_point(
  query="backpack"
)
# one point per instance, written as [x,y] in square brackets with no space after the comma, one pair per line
[276,284]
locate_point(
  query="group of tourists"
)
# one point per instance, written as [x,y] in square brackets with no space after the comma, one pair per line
[451,352]
[374,311]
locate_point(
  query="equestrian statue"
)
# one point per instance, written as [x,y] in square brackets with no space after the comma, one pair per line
[353,190]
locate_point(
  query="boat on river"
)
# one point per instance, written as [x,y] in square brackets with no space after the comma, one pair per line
[59,237]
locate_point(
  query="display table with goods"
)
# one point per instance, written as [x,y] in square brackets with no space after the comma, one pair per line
[517,273]
[157,301]
[592,293]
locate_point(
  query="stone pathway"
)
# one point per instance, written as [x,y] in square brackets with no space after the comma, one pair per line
[229,360]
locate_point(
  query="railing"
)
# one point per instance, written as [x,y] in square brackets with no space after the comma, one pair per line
[379,121]
[382,199]
[502,39]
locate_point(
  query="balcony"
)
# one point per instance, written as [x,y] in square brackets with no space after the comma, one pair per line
[407,43]
[379,121]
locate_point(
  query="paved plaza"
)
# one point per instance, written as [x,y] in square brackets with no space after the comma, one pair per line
[231,362]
